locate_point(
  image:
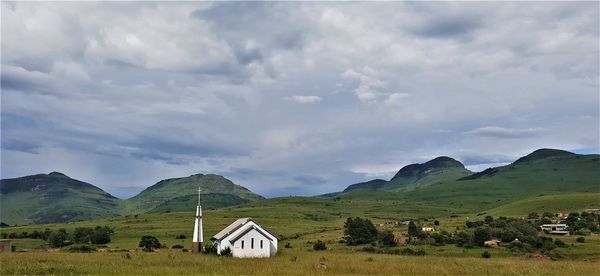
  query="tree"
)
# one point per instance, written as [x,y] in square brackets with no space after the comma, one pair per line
[149,243]
[533,215]
[82,235]
[413,230]
[481,235]
[319,246]
[386,238]
[59,238]
[436,222]
[486,254]
[488,219]
[359,231]
[101,235]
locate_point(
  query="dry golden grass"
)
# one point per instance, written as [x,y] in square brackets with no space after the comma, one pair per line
[286,263]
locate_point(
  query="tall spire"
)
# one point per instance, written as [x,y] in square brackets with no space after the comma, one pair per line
[198,239]
[199,191]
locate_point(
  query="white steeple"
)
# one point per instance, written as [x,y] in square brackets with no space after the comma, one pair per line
[198,239]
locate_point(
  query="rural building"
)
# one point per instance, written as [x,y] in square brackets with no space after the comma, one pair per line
[5,246]
[562,215]
[491,243]
[246,239]
[427,229]
[555,229]
[198,239]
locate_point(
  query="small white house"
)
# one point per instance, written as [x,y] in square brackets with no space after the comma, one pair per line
[246,239]
[556,229]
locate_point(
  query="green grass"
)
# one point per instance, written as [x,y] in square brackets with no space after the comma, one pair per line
[548,203]
[285,263]
[299,221]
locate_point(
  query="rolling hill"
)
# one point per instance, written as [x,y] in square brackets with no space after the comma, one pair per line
[416,176]
[53,197]
[177,193]
[543,172]
[444,183]
[57,198]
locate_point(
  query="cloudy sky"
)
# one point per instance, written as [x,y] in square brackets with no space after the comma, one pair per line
[291,98]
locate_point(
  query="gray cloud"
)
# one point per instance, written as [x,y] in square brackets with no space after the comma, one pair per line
[500,132]
[135,92]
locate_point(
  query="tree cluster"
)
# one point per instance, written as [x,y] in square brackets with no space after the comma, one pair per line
[60,238]
[362,231]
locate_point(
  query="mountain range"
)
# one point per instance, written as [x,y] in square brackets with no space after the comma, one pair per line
[443,183]
[55,197]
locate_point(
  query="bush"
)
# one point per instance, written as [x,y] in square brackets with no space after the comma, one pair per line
[386,238]
[436,222]
[486,254]
[59,239]
[359,231]
[226,252]
[560,243]
[101,235]
[149,243]
[319,246]
[81,249]
[580,239]
[288,245]
[177,246]
[181,237]
[210,248]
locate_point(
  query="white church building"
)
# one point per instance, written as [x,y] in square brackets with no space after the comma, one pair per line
[246,239]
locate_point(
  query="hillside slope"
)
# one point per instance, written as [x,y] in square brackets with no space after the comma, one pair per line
[165,192]
[54,197]
[543,172]
[416,176]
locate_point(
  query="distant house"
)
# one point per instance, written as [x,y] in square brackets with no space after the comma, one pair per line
[556,229]
[491,243]
[427,229]
[562,215]
[246,239]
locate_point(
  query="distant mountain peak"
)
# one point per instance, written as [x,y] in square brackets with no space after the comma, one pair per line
[58,174]
[544,153]
[438,163]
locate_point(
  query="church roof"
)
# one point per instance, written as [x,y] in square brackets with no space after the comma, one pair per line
[232,227]
[235,226]
[258,229]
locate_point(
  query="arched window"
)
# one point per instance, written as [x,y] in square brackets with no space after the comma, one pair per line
[261,245]
[252,243]
[242,244]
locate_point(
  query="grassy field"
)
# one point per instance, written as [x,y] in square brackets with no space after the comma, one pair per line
[285,263]
[301,221]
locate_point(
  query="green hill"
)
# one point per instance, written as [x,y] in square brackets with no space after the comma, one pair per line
[57,198]
[548,203]
[543,172]
[166,194]
[444,184]
[54,197]
[416,176]
[189,202]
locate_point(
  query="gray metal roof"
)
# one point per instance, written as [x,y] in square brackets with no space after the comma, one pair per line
[235,226]
[231,228]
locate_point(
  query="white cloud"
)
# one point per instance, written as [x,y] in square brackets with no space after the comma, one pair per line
[396,99]
[304,99]
[197,87]
[501,132]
